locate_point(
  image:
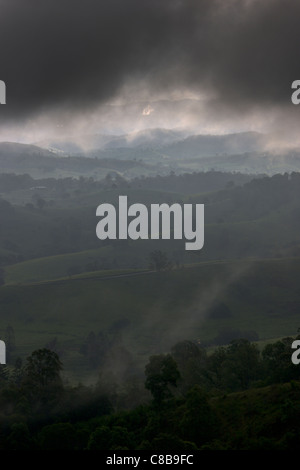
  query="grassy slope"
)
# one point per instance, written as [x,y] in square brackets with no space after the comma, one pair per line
[162,307]
[260,237]
[259,419]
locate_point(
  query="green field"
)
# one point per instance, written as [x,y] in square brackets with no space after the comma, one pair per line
[271,235]
[160,308]
[61,282]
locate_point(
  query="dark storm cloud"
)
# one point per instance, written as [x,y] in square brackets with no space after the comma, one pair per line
[78,53]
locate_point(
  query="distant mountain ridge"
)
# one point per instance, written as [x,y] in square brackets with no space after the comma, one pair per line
[212,145]
[87,143]
[175,143]
[11,149]
[148,153]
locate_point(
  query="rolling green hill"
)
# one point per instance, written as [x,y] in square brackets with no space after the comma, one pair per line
[67,290]
[150,312]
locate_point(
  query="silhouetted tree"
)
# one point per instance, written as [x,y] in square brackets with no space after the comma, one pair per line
[277,363]
[159,260]
[42,379]
[20,438]
[161,374]
[58,436]
[199,423]
[10,341]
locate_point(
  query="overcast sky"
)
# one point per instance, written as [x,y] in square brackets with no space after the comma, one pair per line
[77,66]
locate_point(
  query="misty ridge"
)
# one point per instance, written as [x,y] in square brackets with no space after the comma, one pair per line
[150,152]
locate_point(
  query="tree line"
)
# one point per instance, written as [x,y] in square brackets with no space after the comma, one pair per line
[190,398]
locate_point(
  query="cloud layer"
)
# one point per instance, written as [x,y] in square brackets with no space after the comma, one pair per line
[71,56]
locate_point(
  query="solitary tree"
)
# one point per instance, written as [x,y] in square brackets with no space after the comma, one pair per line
[40,202]
[161,375]
[10,341]
[42,375]
[159,260]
